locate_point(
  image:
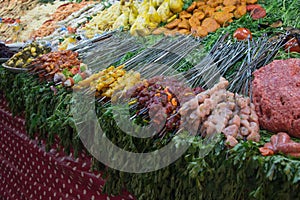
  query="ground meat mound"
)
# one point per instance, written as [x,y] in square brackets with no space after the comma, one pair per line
[276,96]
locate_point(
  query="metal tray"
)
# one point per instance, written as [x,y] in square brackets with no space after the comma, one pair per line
[14,69]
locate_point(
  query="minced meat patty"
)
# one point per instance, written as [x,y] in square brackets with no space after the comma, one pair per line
[276,96]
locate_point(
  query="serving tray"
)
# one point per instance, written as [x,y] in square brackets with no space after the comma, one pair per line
[14,69]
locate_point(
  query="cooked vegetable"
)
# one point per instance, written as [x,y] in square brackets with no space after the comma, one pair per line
[109,81]
[23,58]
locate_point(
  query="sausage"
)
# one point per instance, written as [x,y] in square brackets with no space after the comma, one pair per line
[281,143]
[291,147]
[283,137]
[294,154]
[266,151]
[274,141]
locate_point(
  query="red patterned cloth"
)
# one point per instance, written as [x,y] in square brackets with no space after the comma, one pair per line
[27,171]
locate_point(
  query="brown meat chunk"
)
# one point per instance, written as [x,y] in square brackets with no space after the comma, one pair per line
[210,24]
[201,32]
[228,8]
[203,8]
[184,24]
[209,11]
[171,32]
[251,1]
[185,15]
[240,11]
[194,22]
[230,2]
[159,31]
[198,10]
[276,96]
[184,31]
[173,24]
[222,17]
[192,7]
[200,3]
[219,8]
[212,3]
[199,15]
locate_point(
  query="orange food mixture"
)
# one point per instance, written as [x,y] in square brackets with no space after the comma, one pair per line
[61,13]
[205,16]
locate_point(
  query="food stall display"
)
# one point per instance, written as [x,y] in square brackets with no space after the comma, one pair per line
[221,75]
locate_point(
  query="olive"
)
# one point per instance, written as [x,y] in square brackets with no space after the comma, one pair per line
[19,63]
[10,63]
[29,60]
[18,54]
[33,50]
[28,53]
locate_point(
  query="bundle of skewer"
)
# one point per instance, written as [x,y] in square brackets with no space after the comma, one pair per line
[234,60]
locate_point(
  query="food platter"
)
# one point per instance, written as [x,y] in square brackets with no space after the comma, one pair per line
[14,69]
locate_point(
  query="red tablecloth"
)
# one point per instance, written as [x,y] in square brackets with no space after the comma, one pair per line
[27,171]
